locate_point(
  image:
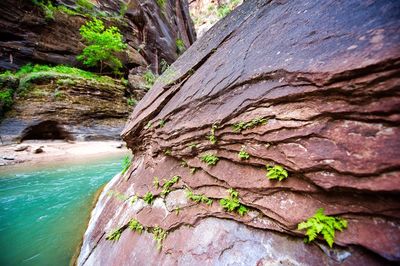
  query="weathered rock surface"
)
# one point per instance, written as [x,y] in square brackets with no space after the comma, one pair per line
[326,76]
[147,28]
[58,107]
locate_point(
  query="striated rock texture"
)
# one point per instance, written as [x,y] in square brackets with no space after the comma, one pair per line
[325,74]
[63,107]
[149,30]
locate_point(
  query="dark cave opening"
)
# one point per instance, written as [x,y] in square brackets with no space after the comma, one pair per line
[50,130]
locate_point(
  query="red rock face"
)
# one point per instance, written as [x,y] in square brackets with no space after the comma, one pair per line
[149,30]
[326,77]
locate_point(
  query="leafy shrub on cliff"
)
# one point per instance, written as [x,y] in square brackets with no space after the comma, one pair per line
[232,203]
[103,44]
[322,224]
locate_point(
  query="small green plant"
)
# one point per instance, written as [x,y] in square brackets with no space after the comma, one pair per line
[177,210]
[103,43]
[131,102]
[148,125]
[276,172]
[210,159]
[148,198]
[115,235]
[184,163]
[168,152]
[149,79]
[161,123]
[223,11]
[156,182]
[232,203]
[126,163]
[159,235]
[180,46]
[243,155]
[163,65]
[85,6]
[134,225]
[168,184]
[212,137]
[124,82]
[258,121]
[322,224]
[198,198]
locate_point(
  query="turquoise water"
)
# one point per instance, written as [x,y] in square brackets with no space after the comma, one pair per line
[44,213]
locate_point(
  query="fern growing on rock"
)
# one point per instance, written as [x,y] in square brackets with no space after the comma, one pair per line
[243,155]
[232,203]
[148,198]
[276,172]
[210,159]
[198,198]
[168,184]
[322,224]
[136,226]
[115,235]
[126,163]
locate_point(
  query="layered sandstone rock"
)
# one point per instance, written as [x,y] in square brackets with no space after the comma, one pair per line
[325,75]
[60,106]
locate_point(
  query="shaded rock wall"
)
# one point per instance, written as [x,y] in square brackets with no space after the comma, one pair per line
[85,109]
[150,32]
[326,76]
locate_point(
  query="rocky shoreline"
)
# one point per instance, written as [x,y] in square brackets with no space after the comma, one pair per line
[57,152]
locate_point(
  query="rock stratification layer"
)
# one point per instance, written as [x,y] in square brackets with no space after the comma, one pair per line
[325,77]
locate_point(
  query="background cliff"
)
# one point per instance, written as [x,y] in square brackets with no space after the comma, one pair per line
[47,33]
[310,86]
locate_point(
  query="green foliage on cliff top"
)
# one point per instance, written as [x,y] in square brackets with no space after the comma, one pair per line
[103,44]
[322,224]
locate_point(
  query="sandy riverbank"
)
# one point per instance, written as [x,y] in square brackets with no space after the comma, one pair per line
[58,152]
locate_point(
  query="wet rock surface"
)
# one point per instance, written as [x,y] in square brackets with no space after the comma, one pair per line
[328,88]
[149,30]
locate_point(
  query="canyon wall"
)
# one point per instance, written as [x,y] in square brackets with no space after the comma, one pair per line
[49,34]
[310,86]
